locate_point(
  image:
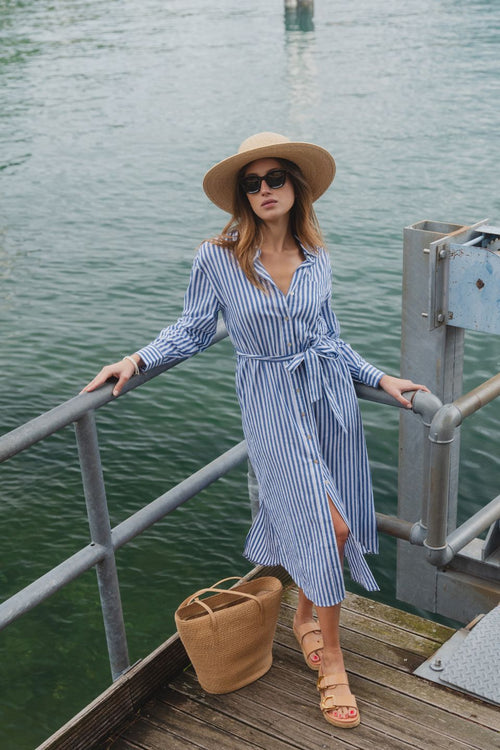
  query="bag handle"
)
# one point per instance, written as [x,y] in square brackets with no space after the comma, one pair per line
[195,598]
[192,597]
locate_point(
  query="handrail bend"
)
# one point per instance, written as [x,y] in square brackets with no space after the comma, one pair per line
[441,549]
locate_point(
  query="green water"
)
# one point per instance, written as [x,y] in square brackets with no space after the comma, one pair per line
[110,113]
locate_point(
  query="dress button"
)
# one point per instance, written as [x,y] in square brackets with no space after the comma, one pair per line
[289,344]
[309,437]
[286,319]
[316,461]
[303,414]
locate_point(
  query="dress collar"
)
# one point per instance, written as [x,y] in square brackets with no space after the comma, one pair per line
[308,254]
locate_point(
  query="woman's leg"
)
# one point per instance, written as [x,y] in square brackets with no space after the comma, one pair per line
[332,660]
[304,616]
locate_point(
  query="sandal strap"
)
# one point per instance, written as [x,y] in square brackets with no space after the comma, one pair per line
[315,639]
[330,702]
[341,697]
[332,680]
[312,646]
[308,627]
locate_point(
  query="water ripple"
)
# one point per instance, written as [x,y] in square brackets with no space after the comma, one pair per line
[111,113]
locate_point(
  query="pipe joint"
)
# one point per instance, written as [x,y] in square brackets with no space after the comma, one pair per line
[444,424]
[418,534]
[426,405]
[439,556]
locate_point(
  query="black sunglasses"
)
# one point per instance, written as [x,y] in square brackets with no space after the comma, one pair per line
[275,179]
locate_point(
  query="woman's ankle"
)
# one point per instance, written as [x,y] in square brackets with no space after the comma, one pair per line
[301,617]
[304,611]
[332,660]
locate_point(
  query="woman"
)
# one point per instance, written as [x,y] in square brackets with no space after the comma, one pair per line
[270,278]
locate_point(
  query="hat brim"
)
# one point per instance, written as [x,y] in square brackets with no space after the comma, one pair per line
[316,164]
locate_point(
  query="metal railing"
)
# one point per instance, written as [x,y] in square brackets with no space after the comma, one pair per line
[100,552]
[442,548]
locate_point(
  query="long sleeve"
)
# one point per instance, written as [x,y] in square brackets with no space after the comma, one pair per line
[360,369]
[193,331]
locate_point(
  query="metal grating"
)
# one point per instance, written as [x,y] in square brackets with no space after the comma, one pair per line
[470,660]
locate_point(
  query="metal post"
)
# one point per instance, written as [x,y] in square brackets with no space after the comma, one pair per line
[100,533]
[433,357]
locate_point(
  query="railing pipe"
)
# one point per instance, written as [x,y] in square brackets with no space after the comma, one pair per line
[478,397]
[394,526]
[72,410]
[156,510]
[85,559]
[474,525]
[377,395]
[426,405]
[38,591]
[441,436]
[100,533]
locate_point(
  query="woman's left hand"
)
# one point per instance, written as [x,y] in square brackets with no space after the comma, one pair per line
[395,387]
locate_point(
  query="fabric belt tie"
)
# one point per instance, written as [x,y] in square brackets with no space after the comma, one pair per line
[315,381]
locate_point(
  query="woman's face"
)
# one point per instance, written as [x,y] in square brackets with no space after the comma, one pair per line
[269,204]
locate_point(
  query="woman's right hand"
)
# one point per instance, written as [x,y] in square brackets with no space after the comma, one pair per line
[122,370]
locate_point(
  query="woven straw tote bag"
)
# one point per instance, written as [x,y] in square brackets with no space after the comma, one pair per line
[229,634]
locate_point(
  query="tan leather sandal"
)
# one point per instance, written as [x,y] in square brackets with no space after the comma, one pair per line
[340,696]
[310,641]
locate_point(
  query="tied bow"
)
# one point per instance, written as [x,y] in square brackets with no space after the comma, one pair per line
[315,381]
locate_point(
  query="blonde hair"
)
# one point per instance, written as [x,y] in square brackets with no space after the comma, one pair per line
[242,234]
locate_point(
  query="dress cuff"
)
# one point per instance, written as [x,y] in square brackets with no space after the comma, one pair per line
[370,375]
[151,357]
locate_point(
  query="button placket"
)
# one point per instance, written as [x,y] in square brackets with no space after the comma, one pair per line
[287,327]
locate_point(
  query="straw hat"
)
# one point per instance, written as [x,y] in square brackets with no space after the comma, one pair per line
[316,164]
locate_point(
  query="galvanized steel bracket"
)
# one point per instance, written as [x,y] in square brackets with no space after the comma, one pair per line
[464,279]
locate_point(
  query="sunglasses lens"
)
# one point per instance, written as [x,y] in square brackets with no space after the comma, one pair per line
[275,179]
[251,184]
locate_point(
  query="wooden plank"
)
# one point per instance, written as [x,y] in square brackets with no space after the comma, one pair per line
[119,702]
[149,736]
[429,726]
[206,727]
[385,613]
[263,707]
[385,707]
[299,724]
[431,695]
[399,618]
[147,740]
[391,655]
[383,630]
[388,634]
[97,720]
[359,643]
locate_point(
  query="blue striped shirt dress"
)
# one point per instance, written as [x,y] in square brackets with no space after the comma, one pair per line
[294,381]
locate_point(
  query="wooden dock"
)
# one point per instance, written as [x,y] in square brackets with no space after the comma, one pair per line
[382,647]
